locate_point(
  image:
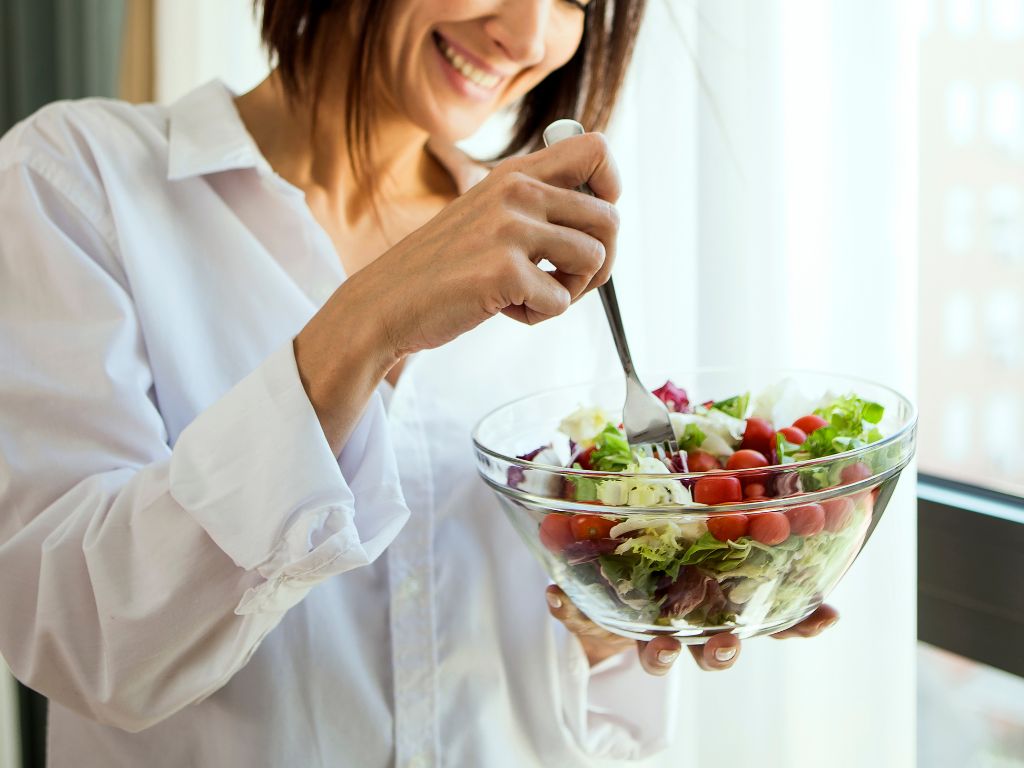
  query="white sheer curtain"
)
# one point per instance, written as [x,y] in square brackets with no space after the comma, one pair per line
[769,219]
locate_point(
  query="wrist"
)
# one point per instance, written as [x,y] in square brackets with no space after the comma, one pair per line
[342,354]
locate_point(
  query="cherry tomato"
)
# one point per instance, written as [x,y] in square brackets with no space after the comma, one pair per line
[556,532]
[754,491]
[769,528]
[591,527]
[759,436]
[837,513]
[746,459]
[793,435]
[701,461]
[728,527]
[806,520]
[809,423]
[853,473]
[584,458]
[717,490]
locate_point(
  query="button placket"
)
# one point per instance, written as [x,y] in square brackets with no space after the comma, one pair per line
[410,575]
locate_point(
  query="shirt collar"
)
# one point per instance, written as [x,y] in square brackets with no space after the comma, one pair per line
[206,135]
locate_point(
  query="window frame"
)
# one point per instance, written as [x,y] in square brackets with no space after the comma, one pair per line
[970,572]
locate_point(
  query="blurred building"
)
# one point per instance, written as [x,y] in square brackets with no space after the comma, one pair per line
[972,242]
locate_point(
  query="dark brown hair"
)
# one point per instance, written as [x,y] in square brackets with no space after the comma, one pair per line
[585,88]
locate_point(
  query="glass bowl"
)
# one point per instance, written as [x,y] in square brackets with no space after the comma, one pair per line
[643,562]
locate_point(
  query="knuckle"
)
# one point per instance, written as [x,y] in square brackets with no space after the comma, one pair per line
[508,228]
[613,218]
[596,253]
[598,144]
[509,165]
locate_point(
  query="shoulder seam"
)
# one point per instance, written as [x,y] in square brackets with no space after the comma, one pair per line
[71,188]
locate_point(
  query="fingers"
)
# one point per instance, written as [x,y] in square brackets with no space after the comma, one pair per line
[563,609]
[658,655]
[592,216]
[823,618]
[575,161]
[576,256]
[718,653]
[535,296]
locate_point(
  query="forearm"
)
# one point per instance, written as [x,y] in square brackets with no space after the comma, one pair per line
[342,355]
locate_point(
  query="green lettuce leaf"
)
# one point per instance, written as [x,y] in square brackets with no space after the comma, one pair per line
[734,406]
[611,451]
[692,438]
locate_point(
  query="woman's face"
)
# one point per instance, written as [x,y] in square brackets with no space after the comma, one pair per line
[451,64]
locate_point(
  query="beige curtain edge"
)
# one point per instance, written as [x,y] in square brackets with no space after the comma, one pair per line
[136,82]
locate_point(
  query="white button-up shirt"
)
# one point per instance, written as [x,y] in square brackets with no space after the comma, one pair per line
[186,569]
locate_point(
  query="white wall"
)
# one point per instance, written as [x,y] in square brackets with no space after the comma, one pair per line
[198,40]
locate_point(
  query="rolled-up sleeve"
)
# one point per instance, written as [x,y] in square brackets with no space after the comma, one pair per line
[263,448]
[615,710]
[138,578]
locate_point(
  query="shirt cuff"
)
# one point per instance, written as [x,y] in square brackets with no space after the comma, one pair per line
[255,470]
[615,710]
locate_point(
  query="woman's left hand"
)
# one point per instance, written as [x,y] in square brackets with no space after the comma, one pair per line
[658,655]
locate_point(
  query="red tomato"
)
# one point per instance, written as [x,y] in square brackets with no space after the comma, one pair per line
[591,527]
[746,459]
[806,520]
[769,528]
[584,458]
[754,491]
[701,461]
[759,436]
[809,423]
[717,490]
[853,473]
[837,513]
[556,532]
[726,527]
[793,435]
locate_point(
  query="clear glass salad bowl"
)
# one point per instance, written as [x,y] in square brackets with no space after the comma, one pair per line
[642,558]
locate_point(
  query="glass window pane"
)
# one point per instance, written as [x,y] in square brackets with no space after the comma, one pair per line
[968,715]
[972,243]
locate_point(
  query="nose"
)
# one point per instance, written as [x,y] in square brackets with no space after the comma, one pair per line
[519,28]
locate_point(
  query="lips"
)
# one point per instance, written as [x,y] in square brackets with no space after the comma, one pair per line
[461,63]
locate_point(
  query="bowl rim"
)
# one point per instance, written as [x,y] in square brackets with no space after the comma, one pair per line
[907,428]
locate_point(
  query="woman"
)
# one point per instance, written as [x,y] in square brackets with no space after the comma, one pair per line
[198,479]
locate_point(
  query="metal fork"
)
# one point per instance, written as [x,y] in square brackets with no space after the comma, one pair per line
[644,417]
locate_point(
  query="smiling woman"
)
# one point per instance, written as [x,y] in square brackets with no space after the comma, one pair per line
[231,380]
[485,66]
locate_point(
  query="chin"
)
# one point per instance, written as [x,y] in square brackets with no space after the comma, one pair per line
[454,128]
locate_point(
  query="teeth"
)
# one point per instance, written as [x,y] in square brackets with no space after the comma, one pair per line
[478,76]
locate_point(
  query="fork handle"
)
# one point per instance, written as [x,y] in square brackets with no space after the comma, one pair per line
[564,129]
[611,311]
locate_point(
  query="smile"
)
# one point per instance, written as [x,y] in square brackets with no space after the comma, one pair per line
[475,75]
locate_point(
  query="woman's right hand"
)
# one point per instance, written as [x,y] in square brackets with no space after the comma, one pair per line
[476,258]
[479,256]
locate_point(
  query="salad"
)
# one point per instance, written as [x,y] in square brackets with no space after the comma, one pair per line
[731,568]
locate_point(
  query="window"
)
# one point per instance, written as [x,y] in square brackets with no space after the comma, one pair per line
[971,491]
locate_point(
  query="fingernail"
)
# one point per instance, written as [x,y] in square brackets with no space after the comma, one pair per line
[725,654]
[826,624]
[666,657]
[554,600]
